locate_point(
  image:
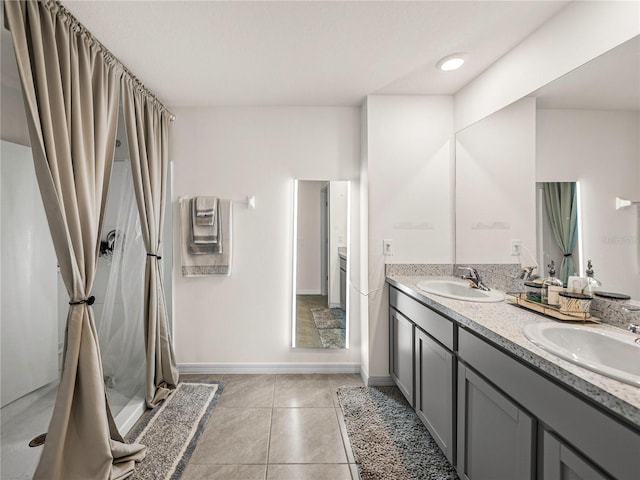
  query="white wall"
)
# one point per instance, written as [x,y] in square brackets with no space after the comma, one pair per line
[578,33]
[408,168]
[338,208]
[601,149]
[232,152]
[308,274]
[495,185]
[28,325]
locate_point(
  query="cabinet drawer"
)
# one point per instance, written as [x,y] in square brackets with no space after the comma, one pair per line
[610,444]
[434,324]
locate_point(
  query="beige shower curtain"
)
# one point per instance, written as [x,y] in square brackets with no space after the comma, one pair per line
[147,127]
[71,91]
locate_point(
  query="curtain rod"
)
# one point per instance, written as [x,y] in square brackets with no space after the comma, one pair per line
[57,8]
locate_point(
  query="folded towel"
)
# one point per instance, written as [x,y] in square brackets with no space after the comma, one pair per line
[206,206]
[206,211]
[200,260]
[203,234]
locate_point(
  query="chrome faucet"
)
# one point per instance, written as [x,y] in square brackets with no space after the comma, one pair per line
[474,278]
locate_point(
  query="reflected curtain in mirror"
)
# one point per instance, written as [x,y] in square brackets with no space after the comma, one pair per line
[561,203]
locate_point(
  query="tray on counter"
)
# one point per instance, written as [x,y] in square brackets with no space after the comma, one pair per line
[520,299]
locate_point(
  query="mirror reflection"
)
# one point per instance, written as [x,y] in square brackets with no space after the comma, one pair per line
[559,227]
[320,280]
[583,129]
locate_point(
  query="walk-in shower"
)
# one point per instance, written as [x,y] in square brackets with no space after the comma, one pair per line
[34,306]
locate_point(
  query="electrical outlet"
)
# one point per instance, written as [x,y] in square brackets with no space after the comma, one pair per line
[515,247]
[387,247]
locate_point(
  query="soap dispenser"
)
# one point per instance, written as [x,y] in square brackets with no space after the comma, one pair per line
[551,287]
[593,285]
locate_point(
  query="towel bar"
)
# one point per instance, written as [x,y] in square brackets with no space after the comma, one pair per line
[249,202]
[622,203]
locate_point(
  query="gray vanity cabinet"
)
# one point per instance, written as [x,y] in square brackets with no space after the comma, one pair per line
[422,364]
[343,282]
[434,367]
[495,416]
[401,353]
[561,462]
[495,436]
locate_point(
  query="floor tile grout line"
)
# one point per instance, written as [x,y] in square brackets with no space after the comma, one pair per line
[273,401]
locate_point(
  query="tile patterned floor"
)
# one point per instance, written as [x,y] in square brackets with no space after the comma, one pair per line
[307,335]
[275,427]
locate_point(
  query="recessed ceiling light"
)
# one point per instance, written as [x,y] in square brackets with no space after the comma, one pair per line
[452,62]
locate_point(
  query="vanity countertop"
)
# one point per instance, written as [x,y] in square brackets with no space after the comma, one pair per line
[503,324]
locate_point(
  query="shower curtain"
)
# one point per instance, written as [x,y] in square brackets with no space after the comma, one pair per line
[71,92]
[120,325]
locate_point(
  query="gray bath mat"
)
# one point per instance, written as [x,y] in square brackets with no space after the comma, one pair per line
[330,323]
[171,431]
[328,317]
[388,439]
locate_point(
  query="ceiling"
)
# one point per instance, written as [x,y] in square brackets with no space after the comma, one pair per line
[305,53]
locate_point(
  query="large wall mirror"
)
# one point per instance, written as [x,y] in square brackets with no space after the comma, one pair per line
[320,239]
[581,131]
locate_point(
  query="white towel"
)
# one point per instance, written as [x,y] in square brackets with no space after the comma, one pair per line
[206,211]
[206,206]
[203,262]
[203,234]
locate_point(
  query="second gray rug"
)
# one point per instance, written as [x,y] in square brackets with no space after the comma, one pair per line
[388,439]
[330,323]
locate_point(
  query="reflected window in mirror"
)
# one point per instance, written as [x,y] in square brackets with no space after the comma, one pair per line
[320,239]
[559,228]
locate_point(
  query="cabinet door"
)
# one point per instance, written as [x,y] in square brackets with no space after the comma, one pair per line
[401,353]
[495,437]
[434,390]
[561,463]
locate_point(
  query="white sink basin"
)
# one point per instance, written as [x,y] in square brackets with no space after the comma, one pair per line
[459,290]
[612,354]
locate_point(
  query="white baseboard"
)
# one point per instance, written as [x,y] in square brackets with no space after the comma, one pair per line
[385,381]
[380,382]
[308,292]
[268,368]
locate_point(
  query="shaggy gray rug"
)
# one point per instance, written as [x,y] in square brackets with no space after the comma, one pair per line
[171,431]
[330,323]
[388,439]
[328,317]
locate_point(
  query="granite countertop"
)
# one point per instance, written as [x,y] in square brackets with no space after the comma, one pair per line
[502,324]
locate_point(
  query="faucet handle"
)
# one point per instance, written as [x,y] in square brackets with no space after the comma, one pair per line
[472,270]
[633,328]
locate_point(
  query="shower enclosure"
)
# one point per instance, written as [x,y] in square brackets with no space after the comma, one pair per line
[34,306]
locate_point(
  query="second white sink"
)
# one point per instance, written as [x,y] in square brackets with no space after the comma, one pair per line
[612,354]
[459,290]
